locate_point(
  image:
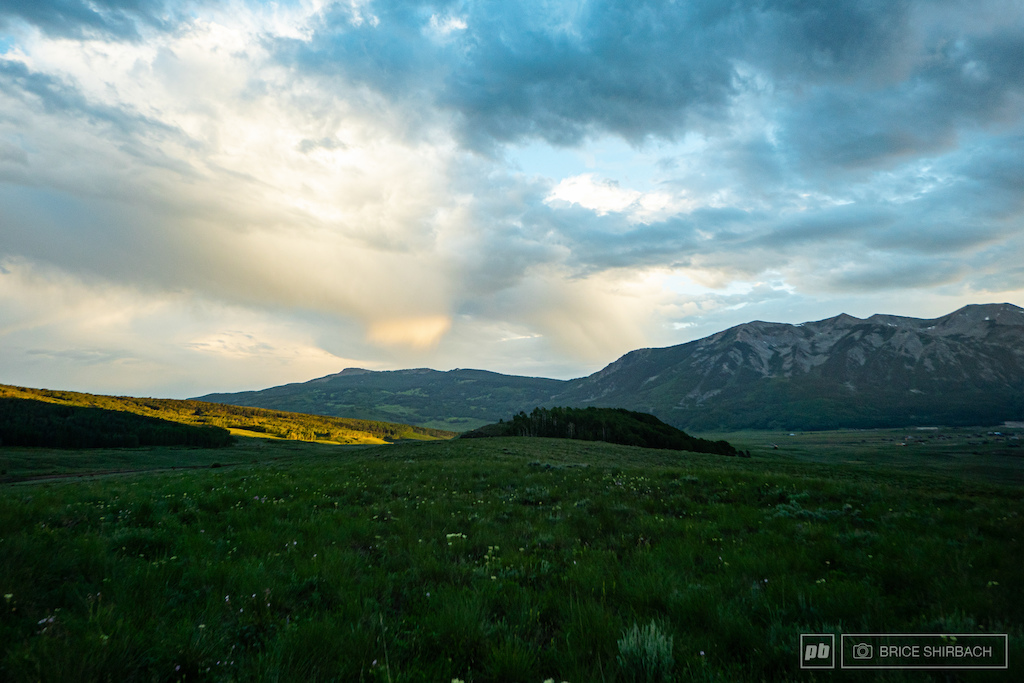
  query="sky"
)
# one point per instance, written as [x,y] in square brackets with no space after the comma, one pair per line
[202,195]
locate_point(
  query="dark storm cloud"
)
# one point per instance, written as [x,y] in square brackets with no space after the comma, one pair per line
[515,71]
[960,85]
[826,41]
[634,69]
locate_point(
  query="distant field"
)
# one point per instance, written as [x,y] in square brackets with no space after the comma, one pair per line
[17,464]
[971,452]
[487,560]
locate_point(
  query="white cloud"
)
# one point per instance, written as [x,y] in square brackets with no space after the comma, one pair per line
[440,28]
[607,196]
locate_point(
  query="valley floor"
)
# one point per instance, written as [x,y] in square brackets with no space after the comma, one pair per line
[497,559]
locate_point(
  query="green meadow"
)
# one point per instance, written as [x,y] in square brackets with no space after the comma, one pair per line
[504,559]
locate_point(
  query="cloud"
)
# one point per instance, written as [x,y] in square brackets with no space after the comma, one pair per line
[59,331]
[418,332]
[57,97]
[494,184]
[594,318]
[220,193]
[605,196]
[121,19]
[12,154]
[564,72]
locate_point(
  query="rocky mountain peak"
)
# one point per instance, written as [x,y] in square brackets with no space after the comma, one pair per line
[966,367]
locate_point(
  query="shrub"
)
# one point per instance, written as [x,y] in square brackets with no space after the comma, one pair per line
[645,654]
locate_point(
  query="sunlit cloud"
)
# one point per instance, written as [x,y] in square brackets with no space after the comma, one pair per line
[63,332]
[419,333]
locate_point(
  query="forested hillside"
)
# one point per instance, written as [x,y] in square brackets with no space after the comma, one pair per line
[27,422]
[242,420]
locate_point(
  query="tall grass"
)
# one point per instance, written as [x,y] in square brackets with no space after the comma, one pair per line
[645,655]
[510,560]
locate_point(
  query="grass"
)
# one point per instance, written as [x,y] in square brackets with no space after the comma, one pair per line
[493,560]
[994,454]
[21,464]
[272,424]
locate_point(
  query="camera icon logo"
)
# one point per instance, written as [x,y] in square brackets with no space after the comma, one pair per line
[863,651]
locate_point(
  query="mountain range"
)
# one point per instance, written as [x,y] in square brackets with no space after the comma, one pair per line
[964,368]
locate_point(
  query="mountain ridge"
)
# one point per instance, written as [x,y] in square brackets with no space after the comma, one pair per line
[966,367]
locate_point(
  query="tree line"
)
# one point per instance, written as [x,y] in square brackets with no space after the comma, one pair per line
[612,425]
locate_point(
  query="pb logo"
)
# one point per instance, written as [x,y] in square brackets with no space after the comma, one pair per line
[817,651]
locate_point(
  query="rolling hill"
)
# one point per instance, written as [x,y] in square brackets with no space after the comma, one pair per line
[245,421]
[611,425]
[456,400]
[963,368]
[32,423]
